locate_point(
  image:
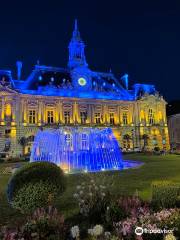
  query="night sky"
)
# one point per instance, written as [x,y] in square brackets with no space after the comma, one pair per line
[141,38]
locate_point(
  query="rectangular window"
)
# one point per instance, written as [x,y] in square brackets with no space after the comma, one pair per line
[97,118]
[67,117]
[111,118]
[69,140]
[50,116]
[83,117]
[7,132]
[151,116]
[125,119]
[32,116]
[84,141]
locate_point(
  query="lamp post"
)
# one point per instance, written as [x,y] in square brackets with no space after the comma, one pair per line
[132,131]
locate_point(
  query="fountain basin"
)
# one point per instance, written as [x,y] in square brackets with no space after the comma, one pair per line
[78,149]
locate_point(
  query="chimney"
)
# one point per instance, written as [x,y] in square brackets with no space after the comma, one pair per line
[125,80]
[19,67]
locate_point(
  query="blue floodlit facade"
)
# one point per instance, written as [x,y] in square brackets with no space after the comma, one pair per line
[78,96]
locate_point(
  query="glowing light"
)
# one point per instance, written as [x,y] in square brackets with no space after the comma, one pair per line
[8,110]
[13,132]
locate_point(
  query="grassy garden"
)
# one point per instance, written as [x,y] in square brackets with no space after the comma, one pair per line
[118,184]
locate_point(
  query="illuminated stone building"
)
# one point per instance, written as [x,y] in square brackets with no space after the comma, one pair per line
[78,96]
[174,131]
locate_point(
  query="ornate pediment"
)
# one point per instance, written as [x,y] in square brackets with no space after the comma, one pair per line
[151,99]
[6,90]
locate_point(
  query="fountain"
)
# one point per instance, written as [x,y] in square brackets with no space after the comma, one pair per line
[77,149]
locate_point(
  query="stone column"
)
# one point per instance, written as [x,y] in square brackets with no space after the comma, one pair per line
[89,114]
[2,110]
[60,112]
[24,112]
[74,112]
[57,112]
[105,112]
[92,114]
[13,107]
[40,113]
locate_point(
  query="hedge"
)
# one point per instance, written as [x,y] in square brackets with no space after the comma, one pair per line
[34,173]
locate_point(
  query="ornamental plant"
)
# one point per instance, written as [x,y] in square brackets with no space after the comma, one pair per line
[126,207]
[45,224]
[93,200]
[34,195]
[35,184]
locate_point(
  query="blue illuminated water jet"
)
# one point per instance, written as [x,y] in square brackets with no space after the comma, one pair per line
[78,149]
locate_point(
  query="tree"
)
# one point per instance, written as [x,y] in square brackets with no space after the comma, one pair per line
[127,138]
[145,138]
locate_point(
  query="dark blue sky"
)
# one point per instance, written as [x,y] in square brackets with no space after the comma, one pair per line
[141,38]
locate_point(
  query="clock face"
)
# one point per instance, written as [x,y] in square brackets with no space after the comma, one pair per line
[82,81]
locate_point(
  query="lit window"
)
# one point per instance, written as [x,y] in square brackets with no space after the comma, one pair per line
[83,116]
[68,140]
[97,118]
[84,141]
[50,116]
[67,117]
[111,118]
[151,116]
[8,110]
[32,116]
[125,119]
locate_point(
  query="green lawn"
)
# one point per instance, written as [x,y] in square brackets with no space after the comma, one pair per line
[123,182]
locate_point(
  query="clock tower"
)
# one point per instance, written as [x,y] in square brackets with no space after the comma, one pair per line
[76,50]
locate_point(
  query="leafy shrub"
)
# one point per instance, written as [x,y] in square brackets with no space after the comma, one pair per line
[1,160]
[165,194]
[34,195]
[31,174]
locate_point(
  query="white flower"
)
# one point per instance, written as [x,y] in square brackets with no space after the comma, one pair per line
[81,192]
[78,187]
[97,230]
[107,235]
[75,195]
[90,232]
[170,237]
[75,232]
